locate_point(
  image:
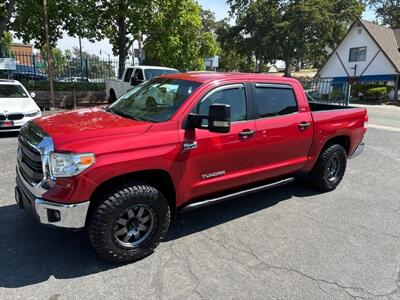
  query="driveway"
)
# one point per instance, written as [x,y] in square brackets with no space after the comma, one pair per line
[286,243]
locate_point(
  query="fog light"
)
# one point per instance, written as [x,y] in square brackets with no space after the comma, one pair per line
[53,215]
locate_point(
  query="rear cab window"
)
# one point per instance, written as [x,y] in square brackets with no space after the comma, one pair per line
[275,100]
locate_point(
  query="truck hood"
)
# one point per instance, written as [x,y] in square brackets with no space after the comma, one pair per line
[17,105]
[74,130]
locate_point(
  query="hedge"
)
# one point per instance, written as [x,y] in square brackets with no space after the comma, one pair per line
[64,86]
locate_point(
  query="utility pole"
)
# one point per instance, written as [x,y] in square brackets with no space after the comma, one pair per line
[49,65]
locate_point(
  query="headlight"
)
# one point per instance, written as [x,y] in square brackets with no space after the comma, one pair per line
[67,165]
[33,114]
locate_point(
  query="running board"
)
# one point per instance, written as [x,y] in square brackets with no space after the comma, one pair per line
[208,202]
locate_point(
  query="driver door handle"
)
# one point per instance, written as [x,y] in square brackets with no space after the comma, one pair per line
[247,133]
[304,125]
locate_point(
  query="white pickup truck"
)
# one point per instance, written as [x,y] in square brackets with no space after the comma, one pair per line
[133,76]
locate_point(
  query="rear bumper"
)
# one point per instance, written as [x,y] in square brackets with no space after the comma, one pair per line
[358,151]
[50,213]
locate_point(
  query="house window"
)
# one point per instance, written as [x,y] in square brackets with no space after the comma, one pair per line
[358,54]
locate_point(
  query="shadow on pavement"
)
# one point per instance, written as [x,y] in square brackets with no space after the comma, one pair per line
[30,253]
[4,135]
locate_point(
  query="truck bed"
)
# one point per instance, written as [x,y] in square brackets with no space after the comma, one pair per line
[314,107]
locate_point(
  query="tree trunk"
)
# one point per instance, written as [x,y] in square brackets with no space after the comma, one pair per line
[122,59]
[122,49]
[288,68]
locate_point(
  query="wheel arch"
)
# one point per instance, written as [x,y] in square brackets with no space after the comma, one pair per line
[342,140]
[158,178]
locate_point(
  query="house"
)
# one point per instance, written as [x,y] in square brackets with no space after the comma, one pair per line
[368,53]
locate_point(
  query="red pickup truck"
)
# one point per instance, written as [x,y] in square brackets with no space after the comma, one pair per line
[175,143]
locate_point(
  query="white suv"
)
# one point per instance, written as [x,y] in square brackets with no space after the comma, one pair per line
[16,106]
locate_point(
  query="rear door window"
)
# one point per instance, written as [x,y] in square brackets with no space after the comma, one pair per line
[275,100]
[128,75]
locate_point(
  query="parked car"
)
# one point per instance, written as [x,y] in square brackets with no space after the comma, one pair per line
[133,76]
[16,106]
[124,172]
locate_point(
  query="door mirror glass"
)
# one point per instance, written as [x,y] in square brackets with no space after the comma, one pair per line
[219,118]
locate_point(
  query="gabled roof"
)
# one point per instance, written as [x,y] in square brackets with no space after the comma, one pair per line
[387,39]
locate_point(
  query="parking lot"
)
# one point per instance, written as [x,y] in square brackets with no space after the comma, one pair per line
[286,243]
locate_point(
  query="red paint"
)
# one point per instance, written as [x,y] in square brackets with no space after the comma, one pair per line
[124,146]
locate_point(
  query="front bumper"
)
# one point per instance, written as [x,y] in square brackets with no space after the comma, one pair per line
[49,213]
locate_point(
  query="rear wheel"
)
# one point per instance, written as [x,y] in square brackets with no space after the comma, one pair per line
[130,223]
[329,169]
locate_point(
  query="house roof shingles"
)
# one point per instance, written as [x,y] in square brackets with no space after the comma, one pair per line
[388,39]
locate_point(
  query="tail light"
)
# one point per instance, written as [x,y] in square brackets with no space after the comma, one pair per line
[366,121]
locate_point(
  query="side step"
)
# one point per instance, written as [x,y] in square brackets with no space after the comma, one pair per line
[208,202]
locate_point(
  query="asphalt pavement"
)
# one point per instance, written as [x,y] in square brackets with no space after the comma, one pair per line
[287,243]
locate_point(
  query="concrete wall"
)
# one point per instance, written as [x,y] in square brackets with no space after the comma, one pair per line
[68,99]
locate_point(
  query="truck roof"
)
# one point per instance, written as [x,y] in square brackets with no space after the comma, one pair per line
[150,67]
[205,77]
[9,81]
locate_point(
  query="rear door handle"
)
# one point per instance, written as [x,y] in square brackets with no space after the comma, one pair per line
[247,133]
[304,125]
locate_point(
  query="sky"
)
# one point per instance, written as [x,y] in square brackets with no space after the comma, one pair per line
[219,7]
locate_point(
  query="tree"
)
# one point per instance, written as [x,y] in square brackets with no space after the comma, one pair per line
[29,21]
[121,21]
[292,30]
[176,36]
[5,44]
[6,11]
[388,11]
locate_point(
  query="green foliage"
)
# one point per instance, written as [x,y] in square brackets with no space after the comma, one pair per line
[5,44]
[64,86]
[388,11]
[6,12]
[371,91]
[378,92]
[182,43]
[293,31]
[29,22]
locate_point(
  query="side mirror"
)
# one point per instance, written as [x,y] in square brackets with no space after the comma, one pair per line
[219,118]
[33,95]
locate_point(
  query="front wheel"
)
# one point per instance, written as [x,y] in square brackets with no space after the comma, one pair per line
[329,169]
[130,223]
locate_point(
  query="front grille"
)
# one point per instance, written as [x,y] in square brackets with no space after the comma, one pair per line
[15,117]
[2,117]
[29,162]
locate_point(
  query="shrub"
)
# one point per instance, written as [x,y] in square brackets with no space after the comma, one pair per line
[378,92]
[42,85]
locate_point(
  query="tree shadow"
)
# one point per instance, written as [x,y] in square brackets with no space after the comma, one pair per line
[11,134]
[30,253]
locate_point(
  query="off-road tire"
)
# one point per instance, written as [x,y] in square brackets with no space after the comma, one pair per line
[103,219]
[318,175]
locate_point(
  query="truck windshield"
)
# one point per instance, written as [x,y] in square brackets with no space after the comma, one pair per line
[150,73]
[12,91]
[155,100]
